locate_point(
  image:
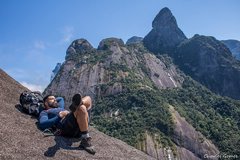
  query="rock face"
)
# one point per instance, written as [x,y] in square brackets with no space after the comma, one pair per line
[152,147]
[234,46]
[79,46]
[210,62]
[55,71]
[20,138]
[190,144]
[165,34]
[134,39]
[102,71]
[205,59]
[106,71]
[191,140]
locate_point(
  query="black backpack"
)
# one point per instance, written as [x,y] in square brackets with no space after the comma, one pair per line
[31,102]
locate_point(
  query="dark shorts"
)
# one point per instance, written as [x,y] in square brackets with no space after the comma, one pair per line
[69,126]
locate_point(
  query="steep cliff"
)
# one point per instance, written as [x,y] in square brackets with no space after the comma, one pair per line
[204,58]
[189,143]
[124,81]
[186,136]
[55,71]
[210,62]
[110,69]
[165,34]
[234,47]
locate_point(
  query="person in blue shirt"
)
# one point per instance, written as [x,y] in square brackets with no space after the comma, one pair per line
[71,124]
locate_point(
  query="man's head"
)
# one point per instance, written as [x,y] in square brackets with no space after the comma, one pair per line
[50,102]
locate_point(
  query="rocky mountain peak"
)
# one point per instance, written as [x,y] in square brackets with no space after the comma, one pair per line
[134,40]
[165,34]
[203,42]
[105,71]
[164,18]
[108,42]
[79,46]
[210,62]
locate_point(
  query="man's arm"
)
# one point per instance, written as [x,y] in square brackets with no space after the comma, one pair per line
[45,122]
[60,101]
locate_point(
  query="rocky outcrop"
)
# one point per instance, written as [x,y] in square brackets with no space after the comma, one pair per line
[210,62]
[189,143]
[103,72]
[55,71]
[234,46]
[20,138]
[110,42]
[134,39]
[165,34]
[154,149]
[190,140]
[79,46]
[204,58]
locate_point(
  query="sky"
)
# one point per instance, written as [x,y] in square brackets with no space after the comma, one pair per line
[34,35]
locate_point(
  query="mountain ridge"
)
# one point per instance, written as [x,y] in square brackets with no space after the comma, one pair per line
[234,46]
[143,98]
[204,58]
[125,72]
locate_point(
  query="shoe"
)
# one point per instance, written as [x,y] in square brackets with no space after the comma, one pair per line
[52,132]
[48,132]
[87,146]
[76,100]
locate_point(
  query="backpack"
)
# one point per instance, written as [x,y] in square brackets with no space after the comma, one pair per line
[31,102]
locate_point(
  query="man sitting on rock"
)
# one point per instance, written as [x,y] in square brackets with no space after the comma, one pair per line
[70,124]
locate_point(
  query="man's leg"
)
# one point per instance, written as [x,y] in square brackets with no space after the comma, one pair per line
[81,114]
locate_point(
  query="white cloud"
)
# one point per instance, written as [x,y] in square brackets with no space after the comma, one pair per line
[39,45]
[36,52]
[67,32]
[16,73]
[33,87]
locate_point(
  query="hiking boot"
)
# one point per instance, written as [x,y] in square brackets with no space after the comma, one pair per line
[76,100]
[86,145]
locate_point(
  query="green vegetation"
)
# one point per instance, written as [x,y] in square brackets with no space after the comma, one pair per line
[142,107]
[147,110]
[215,116]
[140,111]
[166,60]
[98,57]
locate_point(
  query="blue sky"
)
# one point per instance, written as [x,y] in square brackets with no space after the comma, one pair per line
[34,35]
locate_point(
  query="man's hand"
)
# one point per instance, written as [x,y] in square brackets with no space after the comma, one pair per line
[62,114]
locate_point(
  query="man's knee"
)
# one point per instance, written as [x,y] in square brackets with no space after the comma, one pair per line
[83,110]
[87,101]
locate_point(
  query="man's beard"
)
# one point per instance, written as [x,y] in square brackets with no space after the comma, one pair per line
[53,105]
